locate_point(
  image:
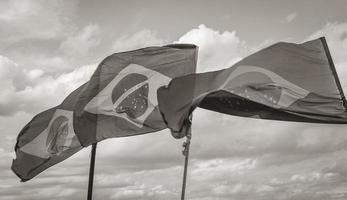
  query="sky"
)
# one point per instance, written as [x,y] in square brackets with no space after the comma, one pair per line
[49,48]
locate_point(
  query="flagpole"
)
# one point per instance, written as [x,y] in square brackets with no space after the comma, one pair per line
[185,152]
[91,172]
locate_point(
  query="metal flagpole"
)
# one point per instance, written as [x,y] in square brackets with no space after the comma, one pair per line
[185,152]
[91,172]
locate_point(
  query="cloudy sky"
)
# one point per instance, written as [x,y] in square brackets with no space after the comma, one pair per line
[48,48]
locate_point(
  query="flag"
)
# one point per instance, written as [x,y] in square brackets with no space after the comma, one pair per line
[286,81]
[47,139]
[121,97]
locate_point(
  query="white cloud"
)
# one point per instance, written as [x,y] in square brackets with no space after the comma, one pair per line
[32,90]
[241,189]
[290,17]
[18,9]
[55,64]
[34,19]
[313,176]
[129,194]
[80,43]
[32,30]
[216,50]
[141,39]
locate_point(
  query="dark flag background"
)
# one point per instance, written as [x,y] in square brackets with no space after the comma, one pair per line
[121,97]
[286,81]
[47,139]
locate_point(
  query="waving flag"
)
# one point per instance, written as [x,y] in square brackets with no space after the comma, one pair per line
[291,82]
[121,97]
[47,139]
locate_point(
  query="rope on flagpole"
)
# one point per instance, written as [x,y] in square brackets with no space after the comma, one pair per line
[185,152]
[91,172]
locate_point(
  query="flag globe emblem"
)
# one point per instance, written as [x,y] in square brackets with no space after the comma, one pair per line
[264,86]
[131,94]
[57,135]
[257,87]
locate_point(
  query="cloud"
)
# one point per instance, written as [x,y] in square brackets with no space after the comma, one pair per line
[244,140]
[81,42]
[74,49]
[32,90]
[148,152]
[143,38]
[216,50]
[289,18]
[10,73]
[34,19]
[49,64]
[241,189]
[42,35]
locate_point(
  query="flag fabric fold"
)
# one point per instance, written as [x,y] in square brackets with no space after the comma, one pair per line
[47,139]
[286,81]
[121,96]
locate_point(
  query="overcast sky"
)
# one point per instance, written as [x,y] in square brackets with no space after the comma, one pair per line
[49,48]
